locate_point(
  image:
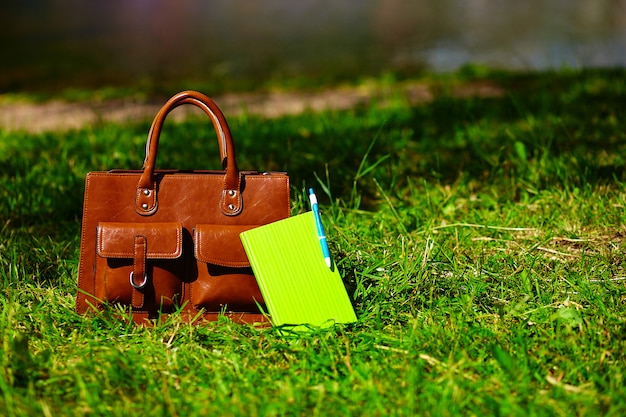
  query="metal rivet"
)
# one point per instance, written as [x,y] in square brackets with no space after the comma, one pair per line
[146,192]
[144,206]
[231,207]
[232,193]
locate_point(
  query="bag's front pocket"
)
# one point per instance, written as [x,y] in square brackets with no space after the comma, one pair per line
[225,280]
[140,264]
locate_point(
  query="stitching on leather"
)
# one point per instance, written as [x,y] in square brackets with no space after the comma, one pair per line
[144,243]
[151,255]
[198,254]
[83,262]
[137,296]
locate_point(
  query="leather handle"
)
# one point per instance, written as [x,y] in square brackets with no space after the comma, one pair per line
[230,201]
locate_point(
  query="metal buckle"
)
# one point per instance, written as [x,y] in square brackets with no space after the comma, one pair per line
[140,285]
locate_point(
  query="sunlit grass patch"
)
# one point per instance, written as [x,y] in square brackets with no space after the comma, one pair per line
[481,241]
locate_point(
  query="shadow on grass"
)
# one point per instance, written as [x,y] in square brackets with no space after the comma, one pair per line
[550,129]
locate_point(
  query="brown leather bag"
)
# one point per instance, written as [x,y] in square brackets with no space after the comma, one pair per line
[160,241]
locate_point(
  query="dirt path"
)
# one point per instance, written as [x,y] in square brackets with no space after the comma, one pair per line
[59,115]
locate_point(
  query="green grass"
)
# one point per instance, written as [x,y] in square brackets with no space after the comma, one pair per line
[481,239]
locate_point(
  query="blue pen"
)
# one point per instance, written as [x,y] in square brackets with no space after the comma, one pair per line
[320,227]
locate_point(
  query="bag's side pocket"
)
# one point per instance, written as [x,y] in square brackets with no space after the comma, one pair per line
[225,280]
[140,264]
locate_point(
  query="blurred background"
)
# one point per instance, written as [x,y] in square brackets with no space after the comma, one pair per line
[48,45]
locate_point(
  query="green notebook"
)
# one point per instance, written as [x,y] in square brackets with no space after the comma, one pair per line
[297,285]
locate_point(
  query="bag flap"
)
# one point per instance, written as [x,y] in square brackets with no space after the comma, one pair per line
[221,245]
[117,240]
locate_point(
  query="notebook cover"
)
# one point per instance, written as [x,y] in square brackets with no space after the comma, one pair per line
[297,285]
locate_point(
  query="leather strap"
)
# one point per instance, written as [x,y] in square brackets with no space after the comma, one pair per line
[146,202]
[139,276]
